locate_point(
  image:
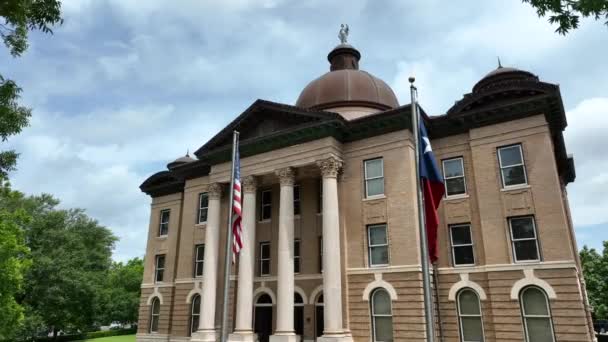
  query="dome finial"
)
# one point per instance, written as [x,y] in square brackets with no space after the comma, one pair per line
[187,152]
[499,64]
[343,34]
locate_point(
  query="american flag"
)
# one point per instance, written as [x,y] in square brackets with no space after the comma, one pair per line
[237,229]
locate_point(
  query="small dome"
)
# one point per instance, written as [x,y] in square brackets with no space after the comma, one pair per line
[502,74]
[180,161]
[346,85]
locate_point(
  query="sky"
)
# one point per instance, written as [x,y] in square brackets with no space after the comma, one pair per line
[125,86]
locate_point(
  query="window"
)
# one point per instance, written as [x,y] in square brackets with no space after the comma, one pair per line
[199,257]
[163,229]
[296,199]
[160,268]
[377,245]
[453,176]
[203,206]
[462,245]
[512,169]
[320,254]
[264,258]
[536,315]
[320,197]
[523,239]
[374,177]
[195,313]
[266,206]
[154,315]
[382,316]
[296,256]
[469,316]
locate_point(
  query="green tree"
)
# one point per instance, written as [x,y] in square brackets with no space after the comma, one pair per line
[567,13]
[20,17]
[595,271]
[119,298]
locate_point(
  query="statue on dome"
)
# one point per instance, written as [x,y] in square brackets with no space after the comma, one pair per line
[343,35]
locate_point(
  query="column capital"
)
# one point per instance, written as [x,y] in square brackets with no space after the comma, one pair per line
[330,167]
[287,176]
[215,191]
[250,184]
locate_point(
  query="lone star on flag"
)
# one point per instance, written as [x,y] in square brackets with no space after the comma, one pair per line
[427,145]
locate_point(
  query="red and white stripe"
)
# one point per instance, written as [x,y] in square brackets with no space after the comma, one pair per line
[237,230]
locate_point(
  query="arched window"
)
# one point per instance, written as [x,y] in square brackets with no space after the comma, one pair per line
[382,316]
[195,313]
[536,315]
[154,315]
[264,299]
[469,316]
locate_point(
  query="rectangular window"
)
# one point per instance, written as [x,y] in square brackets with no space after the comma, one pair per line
[453,177]
[199,257]
[160,268]
[266,205]
[523,239]
[296,256]
[462,245]
[203,206]
[163,228]
[377,245]
[320,254]
[296,200]
[512,168]
[374,177]
[264,258]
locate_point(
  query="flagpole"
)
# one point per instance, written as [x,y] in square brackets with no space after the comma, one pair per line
[227,257]
[424,248]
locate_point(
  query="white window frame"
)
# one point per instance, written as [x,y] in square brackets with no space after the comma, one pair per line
[524,316]
[192,314]
[461,315]
[297,199]
[454,246]
[366,179]
[523,165]
[201,208]
[155,301]
[374,314]
[535,238]
[163,223]
[370,246]
[262,259]
[157,269]
[296,258]
[199,259]
[262,205]
[445,178]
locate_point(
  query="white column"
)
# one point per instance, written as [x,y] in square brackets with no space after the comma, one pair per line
[285,283]
[206,327]
[244,310]
[332,271]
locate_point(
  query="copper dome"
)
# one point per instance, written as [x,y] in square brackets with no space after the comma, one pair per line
[501,74]
[346,85]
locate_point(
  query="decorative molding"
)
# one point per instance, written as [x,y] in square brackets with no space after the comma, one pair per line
[286,176]
[379,283]
[197,290]
[384,269]
[302,293]
[330,167]
[264,279]
[466,283]
[155,285]
[509,267]
[155,293]
[530,279]
[250,184]
[315,294]
[215,191]
[261,290]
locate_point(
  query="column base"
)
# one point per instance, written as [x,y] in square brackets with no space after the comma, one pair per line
[335,338]
[290,337]
[205,336]
[245,336]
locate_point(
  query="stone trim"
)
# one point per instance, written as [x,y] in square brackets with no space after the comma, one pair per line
[379,283]
[250,184]
[466,283]
[315,293]
[197,290]
[302,293]
[215,191]
[509,267]
[383,269]
[147,337]
[530,279]
[155,293]
[263,289]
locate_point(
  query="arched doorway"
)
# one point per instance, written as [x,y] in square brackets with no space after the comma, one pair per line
[319,320]
[298,314]
[263,317]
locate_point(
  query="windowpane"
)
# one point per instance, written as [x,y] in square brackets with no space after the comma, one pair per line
[160,275]
[469,303]
[461,235]
[296,200]
[453,168]
[382,303]
[526,250]
[265,251]
[195,320]
[455,186]
[535,302]
[196,305]
[379,255]
[266,212]
[154,326]
[266,197]
[373,168]
[464,255]
[160,261]
[510,156]
[514,175]
[539,329]
[203,206]
[472,329]
[522,228]
[384,329]
[155,306]
[199,269]
[265,267]
[377,235]
[375,187]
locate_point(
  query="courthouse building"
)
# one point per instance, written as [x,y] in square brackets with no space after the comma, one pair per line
[331,243]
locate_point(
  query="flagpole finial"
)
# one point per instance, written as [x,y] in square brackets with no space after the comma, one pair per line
[412,79]
[499,64]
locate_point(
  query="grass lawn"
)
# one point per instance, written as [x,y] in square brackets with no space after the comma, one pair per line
[122,338]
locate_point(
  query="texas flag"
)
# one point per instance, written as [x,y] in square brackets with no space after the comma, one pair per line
[432,189]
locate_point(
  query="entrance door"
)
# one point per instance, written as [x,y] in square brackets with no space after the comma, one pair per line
[319,320]
[263,318]
[298,314]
